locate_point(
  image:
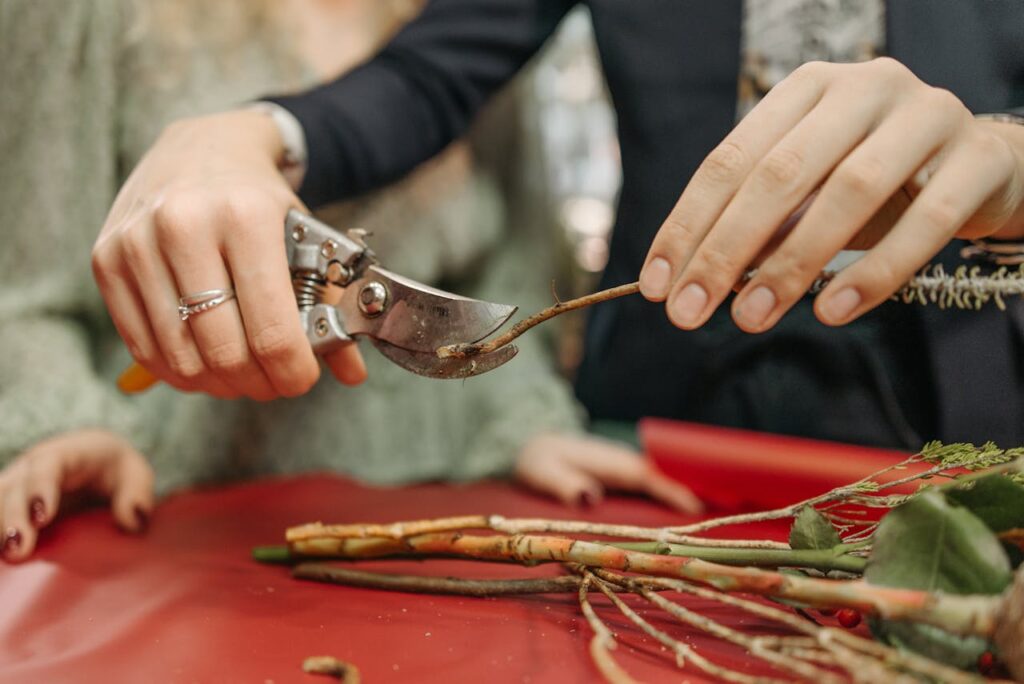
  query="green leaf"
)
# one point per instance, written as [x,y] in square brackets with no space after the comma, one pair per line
[929,543]
[995,499]
[953,649]
[812,531]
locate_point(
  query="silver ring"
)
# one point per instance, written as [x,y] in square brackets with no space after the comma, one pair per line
[194,304]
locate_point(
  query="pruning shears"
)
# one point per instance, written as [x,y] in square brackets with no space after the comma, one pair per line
[405,320]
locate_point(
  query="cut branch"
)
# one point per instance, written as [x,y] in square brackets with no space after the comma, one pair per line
[465,349]
[419,584]
[958,614]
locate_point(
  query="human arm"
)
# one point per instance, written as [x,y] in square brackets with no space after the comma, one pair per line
[204,207]
[58,137]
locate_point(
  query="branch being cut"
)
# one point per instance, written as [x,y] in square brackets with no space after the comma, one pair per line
[466,349]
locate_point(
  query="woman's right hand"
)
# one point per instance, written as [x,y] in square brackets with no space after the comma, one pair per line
[89,460]
[205,209]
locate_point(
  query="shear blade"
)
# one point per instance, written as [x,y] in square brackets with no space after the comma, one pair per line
[429,365]
[418,317]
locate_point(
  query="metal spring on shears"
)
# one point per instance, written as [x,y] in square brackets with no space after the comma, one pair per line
[309,289]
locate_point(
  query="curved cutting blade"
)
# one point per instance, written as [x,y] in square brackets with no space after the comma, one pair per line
[429,365]
[417,317]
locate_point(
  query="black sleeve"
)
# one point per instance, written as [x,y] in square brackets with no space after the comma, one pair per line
[420,92]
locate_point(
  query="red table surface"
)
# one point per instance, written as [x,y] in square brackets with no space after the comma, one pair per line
[185,603]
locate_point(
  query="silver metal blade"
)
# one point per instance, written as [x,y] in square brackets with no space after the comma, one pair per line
[417,317]
[429,365]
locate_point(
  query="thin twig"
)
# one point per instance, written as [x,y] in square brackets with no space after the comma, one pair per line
[419,584]
[603,641]
[464,349]
[684,652]
[905,659]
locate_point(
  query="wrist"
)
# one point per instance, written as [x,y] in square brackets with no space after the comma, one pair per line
[289,140]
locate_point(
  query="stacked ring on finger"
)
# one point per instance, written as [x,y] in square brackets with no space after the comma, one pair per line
[194,304]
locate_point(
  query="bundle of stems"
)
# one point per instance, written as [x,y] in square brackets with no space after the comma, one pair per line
[613,560]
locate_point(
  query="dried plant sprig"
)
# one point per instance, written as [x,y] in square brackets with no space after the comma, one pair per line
[966,288]
[465,349]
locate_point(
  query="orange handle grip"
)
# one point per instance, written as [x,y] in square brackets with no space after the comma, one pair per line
[136,379]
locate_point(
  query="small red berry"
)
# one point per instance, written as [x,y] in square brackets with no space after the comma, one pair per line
[986,663]
[848,618]
[827,612]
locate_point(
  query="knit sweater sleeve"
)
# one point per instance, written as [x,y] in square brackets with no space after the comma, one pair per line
[58,142]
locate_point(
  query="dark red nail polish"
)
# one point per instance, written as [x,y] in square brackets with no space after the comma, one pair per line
[12,540]
[37,511]
[587,499]
[141,518]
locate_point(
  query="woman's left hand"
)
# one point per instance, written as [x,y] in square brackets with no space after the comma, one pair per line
[859,135]
[577,470]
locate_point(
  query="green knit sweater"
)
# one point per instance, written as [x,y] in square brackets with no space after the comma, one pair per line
[80,103]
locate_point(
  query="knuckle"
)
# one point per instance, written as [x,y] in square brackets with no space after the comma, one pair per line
[301,382]
[994,149]
[861,178]
[104,262]
[889,68]
[944,101]
[727,163]
[242,211]
[185,364]
[941,213]
[787,272]
[135,249]
[781,170]
[718,267]
[176,220]
[810,72]
[885,278]
[228,357]
[273,342]
[677,229]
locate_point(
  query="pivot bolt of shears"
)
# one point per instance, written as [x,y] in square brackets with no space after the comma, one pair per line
[321,328]
[373,298]
[298,232]
[328,249]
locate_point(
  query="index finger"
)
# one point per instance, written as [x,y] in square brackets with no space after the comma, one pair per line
[721,174]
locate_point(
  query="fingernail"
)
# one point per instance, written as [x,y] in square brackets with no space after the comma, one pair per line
[754,309]
[12,540]
[587,499]
[689,305]
[37,511]
[654,279]
[141,519]
[838,308]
